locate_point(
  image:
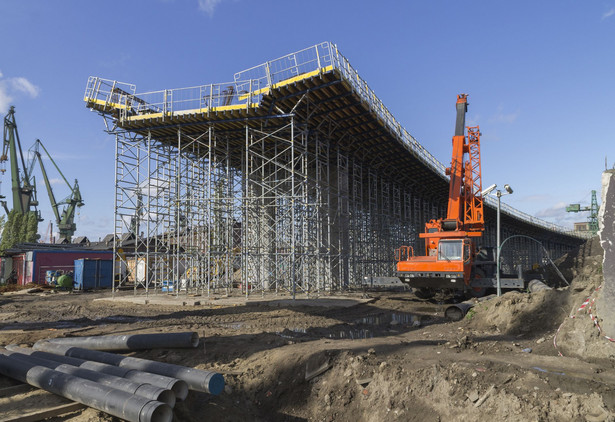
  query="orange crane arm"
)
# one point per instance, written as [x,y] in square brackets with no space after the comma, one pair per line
[473,218]
[456,170]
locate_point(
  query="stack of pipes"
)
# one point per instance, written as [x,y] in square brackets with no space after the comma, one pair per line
[82,369]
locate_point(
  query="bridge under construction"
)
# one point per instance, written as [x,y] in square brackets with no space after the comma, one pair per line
[292,177]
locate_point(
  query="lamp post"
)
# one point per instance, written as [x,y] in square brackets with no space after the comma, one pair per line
[499,194]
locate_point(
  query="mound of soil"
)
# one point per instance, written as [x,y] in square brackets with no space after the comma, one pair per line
[367,387]
[555,313]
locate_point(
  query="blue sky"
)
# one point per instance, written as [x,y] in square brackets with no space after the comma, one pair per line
[539,75]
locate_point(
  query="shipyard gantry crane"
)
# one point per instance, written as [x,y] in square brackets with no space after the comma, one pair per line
[22,181]
[65,218]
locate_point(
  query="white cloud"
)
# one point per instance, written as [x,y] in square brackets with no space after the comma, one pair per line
[53,181]
[536,198]
[501,117]
[557,214]
[208,6]
[608,13]
[11,87]
[556,210]
[23,85]
[5,98]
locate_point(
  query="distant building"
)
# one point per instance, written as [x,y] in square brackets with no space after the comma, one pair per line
[81,240]
[30,262]
[581,227]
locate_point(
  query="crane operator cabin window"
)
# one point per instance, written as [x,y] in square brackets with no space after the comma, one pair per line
[450,250]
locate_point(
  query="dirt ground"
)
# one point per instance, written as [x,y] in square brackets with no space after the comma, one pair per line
[393,358]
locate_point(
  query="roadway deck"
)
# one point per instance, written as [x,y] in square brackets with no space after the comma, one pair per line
[329,93]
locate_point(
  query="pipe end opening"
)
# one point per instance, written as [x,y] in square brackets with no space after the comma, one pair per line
[216,384]
[156,411]
[180,388]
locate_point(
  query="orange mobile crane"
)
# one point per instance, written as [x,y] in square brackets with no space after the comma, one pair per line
[451,259]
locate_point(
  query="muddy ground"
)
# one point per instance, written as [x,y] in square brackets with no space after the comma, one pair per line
[394,358]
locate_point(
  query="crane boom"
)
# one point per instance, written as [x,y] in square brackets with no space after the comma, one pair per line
[54,205]
[456,170]
[65,218]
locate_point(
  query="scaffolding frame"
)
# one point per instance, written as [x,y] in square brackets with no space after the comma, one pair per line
[279,211]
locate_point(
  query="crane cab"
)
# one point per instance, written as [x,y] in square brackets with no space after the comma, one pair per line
[448,265]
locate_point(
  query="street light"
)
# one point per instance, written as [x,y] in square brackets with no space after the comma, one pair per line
[499,194]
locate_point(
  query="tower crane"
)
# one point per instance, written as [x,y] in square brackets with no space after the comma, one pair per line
[22,180]
[65,218]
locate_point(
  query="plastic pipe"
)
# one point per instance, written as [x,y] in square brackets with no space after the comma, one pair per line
[144,390]
[457,311]
[188,339]
[197,379]
[537,286]
[179,387]
[109,400]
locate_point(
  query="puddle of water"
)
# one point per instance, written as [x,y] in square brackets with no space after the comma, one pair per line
[292,332]
[350,334]
[356,334]
[391,319]
[379,325]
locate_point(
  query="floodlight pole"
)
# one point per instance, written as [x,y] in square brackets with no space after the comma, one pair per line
[497,262]
[499,194]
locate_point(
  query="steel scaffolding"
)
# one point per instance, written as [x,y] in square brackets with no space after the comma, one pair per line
[279,211]
[293,178]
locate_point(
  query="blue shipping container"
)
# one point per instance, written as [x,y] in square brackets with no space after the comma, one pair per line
[93,274]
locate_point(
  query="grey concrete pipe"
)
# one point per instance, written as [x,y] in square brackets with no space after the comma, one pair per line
[179,387]
[537,286]
[457,311]
[197,379]
[109,400]
[188,339]
[144,390]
